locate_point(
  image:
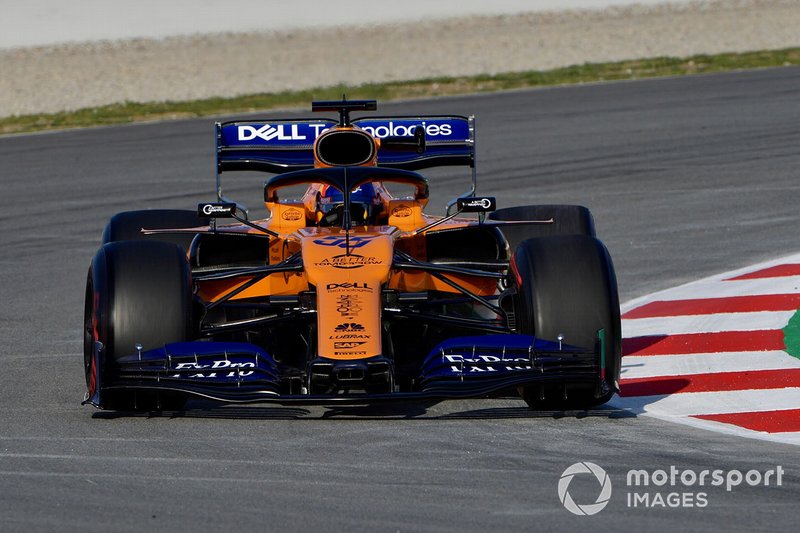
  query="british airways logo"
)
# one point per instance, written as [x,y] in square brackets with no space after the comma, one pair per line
[281,132]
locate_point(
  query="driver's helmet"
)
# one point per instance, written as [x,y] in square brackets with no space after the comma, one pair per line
[363,206]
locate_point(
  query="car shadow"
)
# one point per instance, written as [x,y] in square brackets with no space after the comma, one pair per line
[421,410]
[639,345]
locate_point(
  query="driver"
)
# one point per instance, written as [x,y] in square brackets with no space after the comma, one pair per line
[364,206]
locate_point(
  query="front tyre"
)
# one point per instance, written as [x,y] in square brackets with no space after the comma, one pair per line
[567,220]
[566,286]
[137,293]
[128,225]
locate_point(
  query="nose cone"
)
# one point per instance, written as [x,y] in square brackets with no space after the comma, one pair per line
[348,272]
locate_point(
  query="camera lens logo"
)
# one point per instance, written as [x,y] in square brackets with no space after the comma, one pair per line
[590,508]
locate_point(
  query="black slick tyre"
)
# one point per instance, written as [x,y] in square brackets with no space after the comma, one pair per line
[137,293]
[567,220]
[127,226]
[567,286]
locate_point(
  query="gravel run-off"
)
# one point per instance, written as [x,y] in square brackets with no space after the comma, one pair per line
[73,76]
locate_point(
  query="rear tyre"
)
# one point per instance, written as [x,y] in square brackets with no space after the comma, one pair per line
[137,292]
[127,226]
[567,220]
[568,287]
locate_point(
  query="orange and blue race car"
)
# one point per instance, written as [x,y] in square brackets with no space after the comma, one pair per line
[349,292]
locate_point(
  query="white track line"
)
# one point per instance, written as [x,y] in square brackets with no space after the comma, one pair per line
[718,288]
[677,325]
[667,365]
[703,288]
[728,429]
[712,403]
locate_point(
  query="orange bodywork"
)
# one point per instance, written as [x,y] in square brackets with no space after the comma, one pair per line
[347,270]
[348,274]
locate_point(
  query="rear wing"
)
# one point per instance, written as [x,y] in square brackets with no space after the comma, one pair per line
[279,146]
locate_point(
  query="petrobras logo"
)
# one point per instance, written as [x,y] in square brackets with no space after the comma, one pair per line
[280,132]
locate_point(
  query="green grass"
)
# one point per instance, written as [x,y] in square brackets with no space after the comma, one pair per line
[129,112]
[791,335]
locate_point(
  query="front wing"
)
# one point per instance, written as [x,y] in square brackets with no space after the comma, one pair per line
[462,367]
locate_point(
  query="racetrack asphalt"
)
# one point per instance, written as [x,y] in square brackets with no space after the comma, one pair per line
[686,177]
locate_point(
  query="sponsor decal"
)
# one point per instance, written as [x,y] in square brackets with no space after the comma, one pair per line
[348,261]
[233,369]
[401,211]
[349,330]
[347,286]
[349,326]
[350,353]
[486,363]
[393,129]
[345,345]
[281,132]
[441,129]
[217,210]
[292,215]
[341,242]
[348,305]
[477,205]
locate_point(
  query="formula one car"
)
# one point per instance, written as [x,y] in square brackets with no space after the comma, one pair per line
[347,292]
